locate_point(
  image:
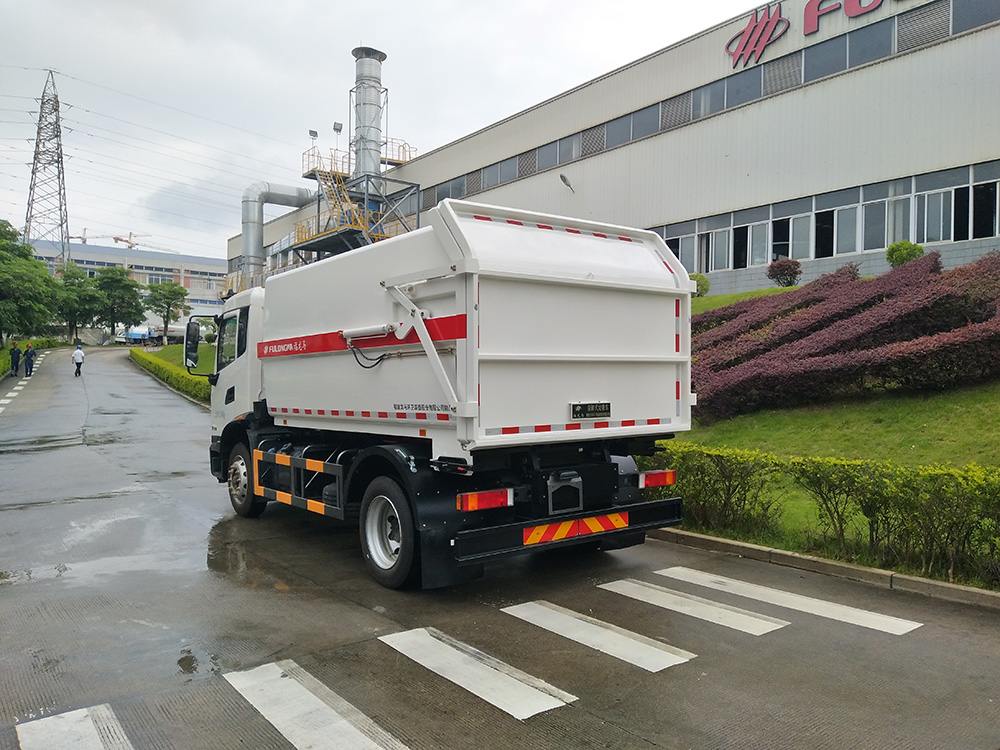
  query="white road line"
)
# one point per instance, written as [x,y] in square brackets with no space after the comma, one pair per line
[306,712]
[798,602]
[5,400]
[95,728]
[622,644]
[703,609]
[507,688]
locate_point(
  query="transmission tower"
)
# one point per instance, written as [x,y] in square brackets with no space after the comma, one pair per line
[46,219]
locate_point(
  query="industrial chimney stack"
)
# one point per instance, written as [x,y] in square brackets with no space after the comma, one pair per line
[368,98]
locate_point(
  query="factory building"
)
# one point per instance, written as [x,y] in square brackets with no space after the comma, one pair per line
[820,130]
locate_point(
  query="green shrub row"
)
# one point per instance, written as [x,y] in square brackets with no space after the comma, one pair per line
[939,521]
[176,377]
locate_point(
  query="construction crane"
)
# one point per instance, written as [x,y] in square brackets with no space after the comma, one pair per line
[133,245]
[83,236]
[129,241]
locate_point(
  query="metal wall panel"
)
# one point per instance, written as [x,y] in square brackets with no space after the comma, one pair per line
[905,115]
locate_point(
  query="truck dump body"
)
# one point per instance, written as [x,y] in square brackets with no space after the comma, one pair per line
[488,328]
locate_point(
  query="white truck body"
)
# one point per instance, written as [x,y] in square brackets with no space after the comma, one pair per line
[525,316]
[486,334]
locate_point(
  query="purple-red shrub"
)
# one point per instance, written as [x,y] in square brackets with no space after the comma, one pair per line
[913,327]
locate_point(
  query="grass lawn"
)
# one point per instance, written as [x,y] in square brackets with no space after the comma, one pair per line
[702,304]
[174,354]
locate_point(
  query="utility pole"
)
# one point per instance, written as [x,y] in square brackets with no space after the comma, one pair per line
[47,219]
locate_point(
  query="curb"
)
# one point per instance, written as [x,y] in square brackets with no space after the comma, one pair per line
[885,578]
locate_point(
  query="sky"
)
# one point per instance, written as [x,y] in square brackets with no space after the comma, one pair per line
[170,110]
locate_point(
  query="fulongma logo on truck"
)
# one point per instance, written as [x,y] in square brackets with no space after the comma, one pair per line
[285,347]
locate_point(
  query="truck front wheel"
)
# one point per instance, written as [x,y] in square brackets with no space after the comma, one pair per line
[242,494]
[388,537]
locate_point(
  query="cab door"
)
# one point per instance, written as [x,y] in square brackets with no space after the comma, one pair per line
[232,393]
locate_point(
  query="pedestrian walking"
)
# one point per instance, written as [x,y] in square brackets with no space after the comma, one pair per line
[78,360]
[15,359]
[29,360]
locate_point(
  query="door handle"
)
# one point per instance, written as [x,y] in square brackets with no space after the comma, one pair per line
[231,395]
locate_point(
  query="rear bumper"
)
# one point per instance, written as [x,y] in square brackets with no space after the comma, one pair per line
[477,545]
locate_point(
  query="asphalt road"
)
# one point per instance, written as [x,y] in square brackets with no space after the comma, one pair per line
[136,611]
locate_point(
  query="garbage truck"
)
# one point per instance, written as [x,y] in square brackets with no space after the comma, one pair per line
[475,388]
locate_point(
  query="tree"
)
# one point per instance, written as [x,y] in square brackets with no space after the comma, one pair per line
[27,293]
[121,298]
[167,301]
[79,299]
[785,271]
[902,252]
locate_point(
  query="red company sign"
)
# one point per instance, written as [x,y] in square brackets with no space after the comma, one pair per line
[759,33]
[761,30]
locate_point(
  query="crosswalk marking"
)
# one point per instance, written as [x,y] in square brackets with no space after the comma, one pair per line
[703,609]
[622,644]
[509,689]
[307,713]
[798,602]
[94,728]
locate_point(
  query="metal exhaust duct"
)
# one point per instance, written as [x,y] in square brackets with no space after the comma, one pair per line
[368,111]
[254,198]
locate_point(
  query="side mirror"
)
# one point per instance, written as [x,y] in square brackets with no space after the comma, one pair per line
[192,336]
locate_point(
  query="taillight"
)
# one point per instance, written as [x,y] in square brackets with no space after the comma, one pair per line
[482,500]
[657,478]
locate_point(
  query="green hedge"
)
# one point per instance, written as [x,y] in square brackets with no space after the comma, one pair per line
[45,343]
[176,377]
[939,521]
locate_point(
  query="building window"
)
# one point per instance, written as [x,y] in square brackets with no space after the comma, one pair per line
[618,131]
[708,99]
[874,226]
[499,173]
[870,43]
[898,220]
[743,87]
[790,238]
[847,230]
[984,210]
[750,245]
[632,126]
[548,155]
[451,189]
[934,217]
[968,14]
[825,58]
[824,234]
[559,152]
[713,251]
[569,148]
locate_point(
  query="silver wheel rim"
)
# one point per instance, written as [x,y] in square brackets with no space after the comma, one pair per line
[238,483]
[382,532]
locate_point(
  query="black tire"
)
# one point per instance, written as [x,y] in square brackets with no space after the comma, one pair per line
[241,485]
[388,536]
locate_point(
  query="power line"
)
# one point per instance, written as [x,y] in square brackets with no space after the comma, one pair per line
[181,138]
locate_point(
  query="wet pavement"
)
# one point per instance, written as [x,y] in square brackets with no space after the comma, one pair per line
[131,597]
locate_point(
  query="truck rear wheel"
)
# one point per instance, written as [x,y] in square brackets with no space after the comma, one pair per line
[388,537]
[242,493]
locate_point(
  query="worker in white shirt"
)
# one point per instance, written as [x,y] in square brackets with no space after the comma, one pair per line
[78,359]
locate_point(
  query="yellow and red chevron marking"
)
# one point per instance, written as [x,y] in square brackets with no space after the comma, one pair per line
[551,532]
[554,532]
[597,524]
